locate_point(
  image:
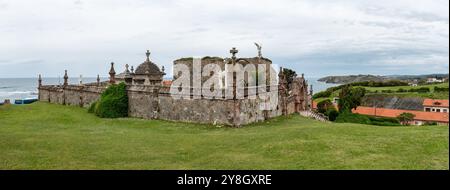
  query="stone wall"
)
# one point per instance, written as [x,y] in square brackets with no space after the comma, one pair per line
[77,95]
[156,102]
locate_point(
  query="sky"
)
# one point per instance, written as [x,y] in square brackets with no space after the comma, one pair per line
[318,38]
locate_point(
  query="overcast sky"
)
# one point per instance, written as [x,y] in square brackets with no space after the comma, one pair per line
[318,38]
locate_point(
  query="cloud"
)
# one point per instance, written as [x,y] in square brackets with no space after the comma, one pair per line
[314,37]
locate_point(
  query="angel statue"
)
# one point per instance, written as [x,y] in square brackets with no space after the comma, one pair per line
[259,49]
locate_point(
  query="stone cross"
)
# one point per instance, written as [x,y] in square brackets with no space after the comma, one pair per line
[234,51]
[259,47]
[148,55]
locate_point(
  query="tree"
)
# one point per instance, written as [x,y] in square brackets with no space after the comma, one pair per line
[113,102]
[405,118]
[290,75]
[350,98]
[324,106]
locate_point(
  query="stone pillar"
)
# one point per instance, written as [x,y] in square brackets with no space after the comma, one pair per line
[236,111]
[39,81]
[112,74]
[39,86]
[66,78]
[282,89]
[98,80]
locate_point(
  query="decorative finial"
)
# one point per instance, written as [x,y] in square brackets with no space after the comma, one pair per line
[148,55]
[132,69]
[233,51]
[162,68]
[39,81]
[126,68]
[66,77]
[303,75]
[112,74]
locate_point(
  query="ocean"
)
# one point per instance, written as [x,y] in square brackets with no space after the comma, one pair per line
[20,88]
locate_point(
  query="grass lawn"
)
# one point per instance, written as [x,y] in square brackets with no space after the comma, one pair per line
[46,136]
[395,88]
[431,94]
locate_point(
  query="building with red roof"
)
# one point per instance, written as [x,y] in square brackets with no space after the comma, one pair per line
[432,105]
[421,117]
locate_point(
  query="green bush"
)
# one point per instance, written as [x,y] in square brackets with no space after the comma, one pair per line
[420,90]
[348,117]
[439,89]
[92,107]
[113,102]
[332,114]
[324,106]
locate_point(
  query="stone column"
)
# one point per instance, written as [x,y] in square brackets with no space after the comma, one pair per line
[66,78]
[39,86]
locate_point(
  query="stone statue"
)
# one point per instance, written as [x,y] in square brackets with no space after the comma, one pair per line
[259,47]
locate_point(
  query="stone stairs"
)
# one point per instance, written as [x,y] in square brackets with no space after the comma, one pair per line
[314,115]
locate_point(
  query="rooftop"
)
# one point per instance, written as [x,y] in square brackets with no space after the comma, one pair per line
[435,103]
[419,115]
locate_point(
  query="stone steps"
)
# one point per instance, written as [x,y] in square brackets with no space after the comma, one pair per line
[314,115]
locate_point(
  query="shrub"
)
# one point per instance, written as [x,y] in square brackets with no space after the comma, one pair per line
[420,90]
[324,106]
[401,90]
[348,117]
[92,107]
[113,102]
[439,89]
[332,114]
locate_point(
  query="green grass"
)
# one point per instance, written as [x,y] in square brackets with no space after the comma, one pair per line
[395,88]
[431,94]
[46,136]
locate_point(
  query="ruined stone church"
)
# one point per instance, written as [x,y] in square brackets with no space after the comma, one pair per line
[150,96]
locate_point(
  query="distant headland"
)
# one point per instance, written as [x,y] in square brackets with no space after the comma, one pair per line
[378,78]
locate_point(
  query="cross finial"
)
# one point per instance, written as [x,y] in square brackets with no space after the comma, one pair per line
[233,51]
[148,55]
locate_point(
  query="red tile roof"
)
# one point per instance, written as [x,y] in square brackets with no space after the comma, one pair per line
[167,83]
[419,115]
[435,103]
